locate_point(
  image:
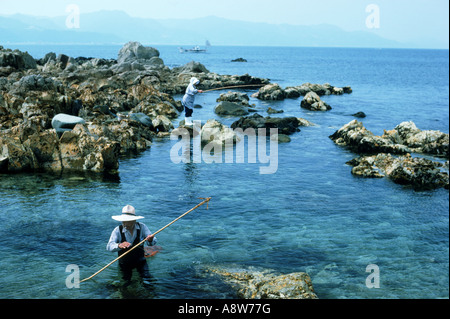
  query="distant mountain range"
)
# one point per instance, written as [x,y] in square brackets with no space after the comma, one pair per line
[117,27]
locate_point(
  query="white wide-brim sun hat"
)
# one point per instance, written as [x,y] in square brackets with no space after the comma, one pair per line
[128,214]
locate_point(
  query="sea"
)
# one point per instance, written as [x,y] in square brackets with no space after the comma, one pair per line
[357,238]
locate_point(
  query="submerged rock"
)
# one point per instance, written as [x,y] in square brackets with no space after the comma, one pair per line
[286,125]
[234,97]
[359,114]
[252,283]
[225,108]
[239,60]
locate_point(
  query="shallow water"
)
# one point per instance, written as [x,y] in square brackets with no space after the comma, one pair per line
[311,215]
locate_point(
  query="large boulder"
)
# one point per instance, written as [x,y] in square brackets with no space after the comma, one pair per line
[132,51]
[64,122]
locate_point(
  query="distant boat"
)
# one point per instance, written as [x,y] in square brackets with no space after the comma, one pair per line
[195,49]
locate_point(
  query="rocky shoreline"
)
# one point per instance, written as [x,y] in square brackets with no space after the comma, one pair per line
[123,105]
[60,113]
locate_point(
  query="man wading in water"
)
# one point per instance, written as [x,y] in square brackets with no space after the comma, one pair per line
[124,237]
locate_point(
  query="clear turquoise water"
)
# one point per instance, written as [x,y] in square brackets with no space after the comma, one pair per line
[312,215]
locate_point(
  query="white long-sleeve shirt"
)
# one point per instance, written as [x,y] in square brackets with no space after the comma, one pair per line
[189,96]
[115,239]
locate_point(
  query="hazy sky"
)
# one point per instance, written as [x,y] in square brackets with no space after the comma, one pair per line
[399,19]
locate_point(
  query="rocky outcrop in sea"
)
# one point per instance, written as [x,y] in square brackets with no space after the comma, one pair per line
[378,154]
[105,107]
[419,172]
[273,91]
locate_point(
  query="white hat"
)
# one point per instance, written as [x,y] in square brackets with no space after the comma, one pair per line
[194,81]
[128,214]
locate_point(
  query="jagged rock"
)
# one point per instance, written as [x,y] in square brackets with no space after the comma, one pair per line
[16,157]
[293,92]
[427,142]
[133,136]
[82,151]
[16,59]
[36,82]
[405,138]
[282,138]
[355,136]
[162,124]
[45,147]
[420,173]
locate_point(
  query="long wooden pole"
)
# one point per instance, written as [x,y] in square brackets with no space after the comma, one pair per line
[206,200]
[235,86]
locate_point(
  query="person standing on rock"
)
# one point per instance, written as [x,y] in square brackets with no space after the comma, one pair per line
[189,98]
[124,237]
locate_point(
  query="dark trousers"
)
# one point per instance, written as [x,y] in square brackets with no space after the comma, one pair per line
[188,112]
[141,266]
